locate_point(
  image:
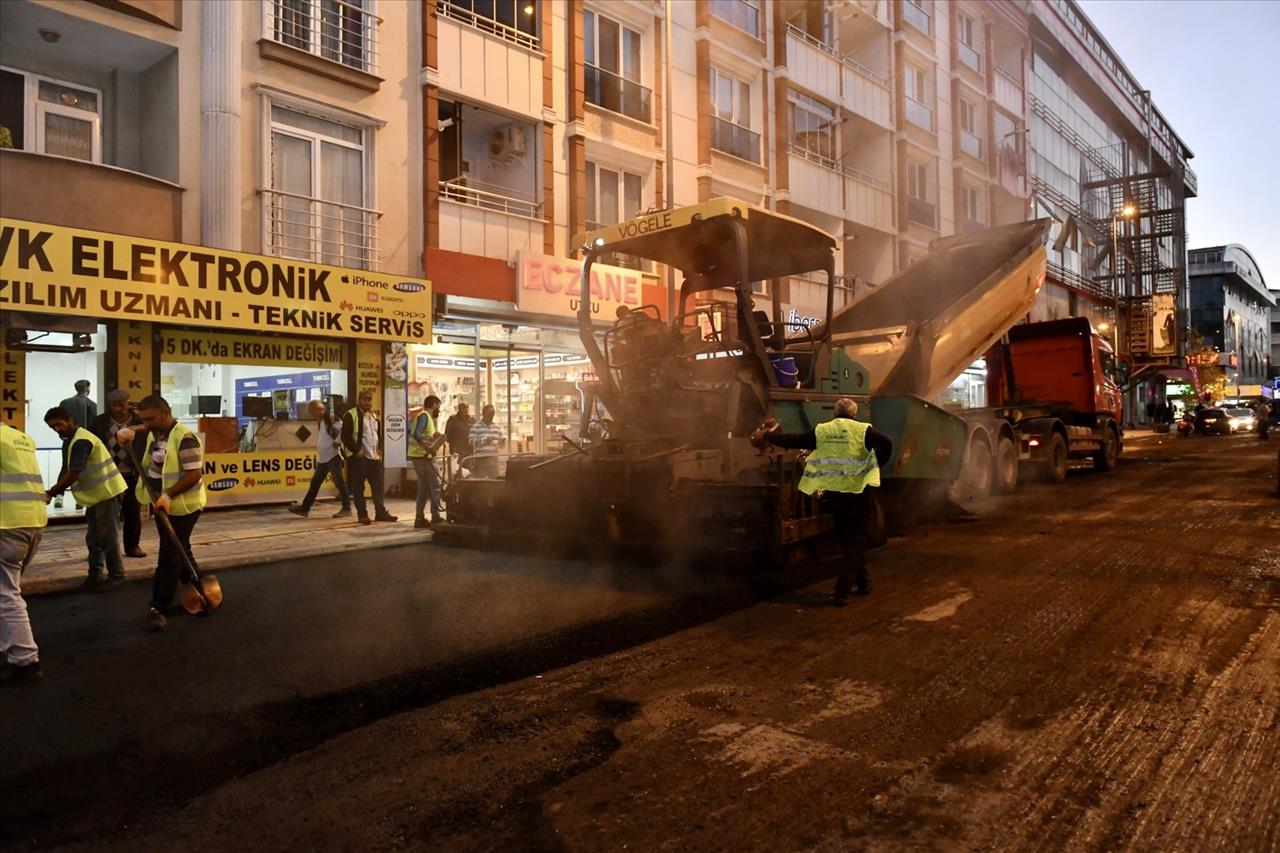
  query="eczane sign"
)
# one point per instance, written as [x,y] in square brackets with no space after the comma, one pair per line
[550,285]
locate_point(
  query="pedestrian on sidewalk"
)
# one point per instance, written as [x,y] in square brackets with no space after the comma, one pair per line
[22,519]
[90,472]
[486,444]
[174,468]
[457,431]
[424,441]
[328,462]
[119,415]
[362,437]
[844,462]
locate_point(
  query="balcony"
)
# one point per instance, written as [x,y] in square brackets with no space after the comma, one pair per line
[922,212]
[1008,91]
[815,181]
[813,64]
[503,72]
[742,14]
[486,221]
[617,94]
[917,17]
[325,232]
[471,192]
[80,194]
[331,30]
[968,56]
[482,15]
[869,201]
[735,140]
[918,114]
[866,93]
[971,144]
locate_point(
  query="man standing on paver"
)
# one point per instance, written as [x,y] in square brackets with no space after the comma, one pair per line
[328,462]
[844,462]
[91,474]
[424,441]
[119,415]
[174,467]
[362,436]
[22,519]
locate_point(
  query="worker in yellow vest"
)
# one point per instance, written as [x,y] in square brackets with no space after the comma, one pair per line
[424,440]
[89,470]
[22,520]
[845,457]
[173,467]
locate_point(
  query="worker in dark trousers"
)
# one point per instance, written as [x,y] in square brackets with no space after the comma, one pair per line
[844,462]
[362,437]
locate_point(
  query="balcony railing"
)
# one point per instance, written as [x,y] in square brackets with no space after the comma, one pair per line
[341,31]
[918,114]
[969,56]
[869,180]
[970,144]
[735,139]
[464,11]
[793,30]
[608,90]
[474,193]
[1013,77]
[742,14]
[812,156]
[921,212]
[917,17]
[312,229]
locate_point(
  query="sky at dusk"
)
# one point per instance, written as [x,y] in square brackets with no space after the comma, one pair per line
[1213,68]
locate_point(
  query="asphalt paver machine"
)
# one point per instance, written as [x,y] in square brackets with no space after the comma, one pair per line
[670,467]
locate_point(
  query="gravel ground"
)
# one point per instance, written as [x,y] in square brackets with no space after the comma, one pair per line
[1094,665]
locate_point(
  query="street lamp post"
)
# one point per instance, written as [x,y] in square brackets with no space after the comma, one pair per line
[1127,211]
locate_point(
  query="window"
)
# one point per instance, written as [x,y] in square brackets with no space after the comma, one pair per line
[614,195]
[342,31]
[913,82]
[51,117]
[743,14]
[513,20]
[613,62]
[918,181]
[915,14]
[731,117]
[973,205]
[316,207]
[966,44]
[968,116]
[970,141]
[813,126]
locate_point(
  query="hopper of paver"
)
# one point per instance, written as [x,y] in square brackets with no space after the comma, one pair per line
[922,327]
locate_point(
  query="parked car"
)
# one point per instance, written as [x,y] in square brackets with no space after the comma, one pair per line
[1242,420]
[1213,422]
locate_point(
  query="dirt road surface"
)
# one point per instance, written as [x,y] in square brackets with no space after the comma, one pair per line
[1089,666]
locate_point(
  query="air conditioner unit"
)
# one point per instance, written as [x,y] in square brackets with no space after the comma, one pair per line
[507,144]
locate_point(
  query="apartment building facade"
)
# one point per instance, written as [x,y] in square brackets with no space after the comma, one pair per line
[1231,309]
[245,142]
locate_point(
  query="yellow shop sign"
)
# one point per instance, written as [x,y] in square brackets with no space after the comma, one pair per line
[199,347]
[57,270]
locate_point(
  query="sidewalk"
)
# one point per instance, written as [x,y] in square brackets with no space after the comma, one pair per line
[226,539]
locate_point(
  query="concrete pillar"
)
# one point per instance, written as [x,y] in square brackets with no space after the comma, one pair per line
[220,125]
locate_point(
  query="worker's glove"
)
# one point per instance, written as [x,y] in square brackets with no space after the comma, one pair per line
[162,504]
[124,435]
[757,437]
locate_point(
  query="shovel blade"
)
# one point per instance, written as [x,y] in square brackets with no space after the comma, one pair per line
[193,603]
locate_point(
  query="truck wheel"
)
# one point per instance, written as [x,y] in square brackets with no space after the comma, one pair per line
[1005,469]
[1054,468]
[1108,456]
[975,477]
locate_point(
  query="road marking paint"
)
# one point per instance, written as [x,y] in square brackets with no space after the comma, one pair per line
[943,609]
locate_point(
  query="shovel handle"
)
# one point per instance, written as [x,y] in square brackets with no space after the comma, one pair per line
[163,519]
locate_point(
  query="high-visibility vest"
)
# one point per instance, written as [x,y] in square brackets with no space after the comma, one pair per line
[22,500]
[841,462]
[417,451]
[100,480]
[192,500]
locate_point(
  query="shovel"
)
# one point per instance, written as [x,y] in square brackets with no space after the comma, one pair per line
[199,594]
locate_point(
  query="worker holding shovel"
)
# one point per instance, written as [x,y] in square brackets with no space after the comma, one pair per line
[171,483]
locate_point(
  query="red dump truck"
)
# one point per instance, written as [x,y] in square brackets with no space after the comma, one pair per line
[1053,400]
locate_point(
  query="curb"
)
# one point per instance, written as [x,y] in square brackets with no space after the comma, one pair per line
[56,586]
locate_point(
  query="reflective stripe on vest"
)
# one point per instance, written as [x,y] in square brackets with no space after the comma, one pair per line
[417,451]
[22,501]
[100,480]
[192,500]
[841,462]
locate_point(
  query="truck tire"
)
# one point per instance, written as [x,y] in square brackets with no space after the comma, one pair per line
[1107,457]
[1004,468]
[1054,468]
[974,482]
